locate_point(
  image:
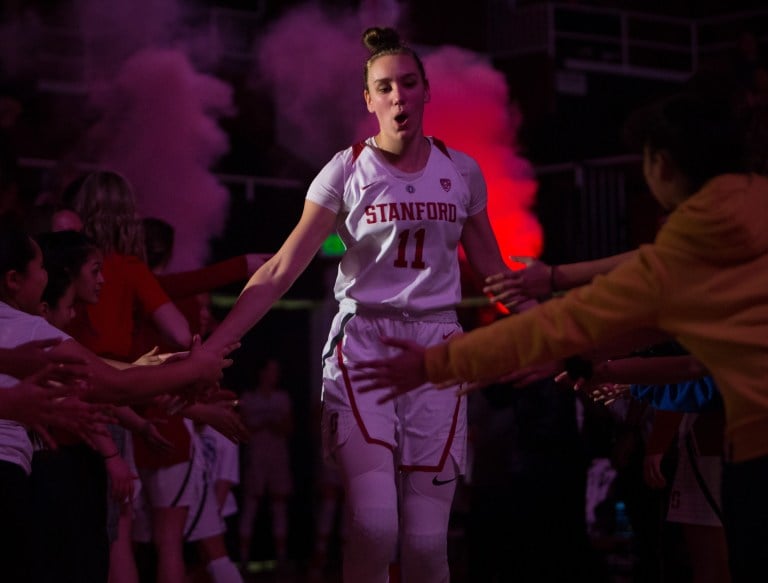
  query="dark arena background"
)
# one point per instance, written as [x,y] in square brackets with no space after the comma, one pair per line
[221,113]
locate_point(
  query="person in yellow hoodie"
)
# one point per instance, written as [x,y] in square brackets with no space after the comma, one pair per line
[703,281]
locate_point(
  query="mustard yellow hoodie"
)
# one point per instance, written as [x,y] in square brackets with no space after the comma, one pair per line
[704,280]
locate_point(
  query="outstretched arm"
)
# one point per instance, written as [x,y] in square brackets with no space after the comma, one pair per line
[612,305]
[139,383]
[540,280]
[276,276]
[483,254]
[26,359]
[625,300]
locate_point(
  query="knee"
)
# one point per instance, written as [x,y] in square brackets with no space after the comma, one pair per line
[425,546]
[374,529]
[424,557]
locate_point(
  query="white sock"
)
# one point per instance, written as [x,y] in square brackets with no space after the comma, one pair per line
[223,570]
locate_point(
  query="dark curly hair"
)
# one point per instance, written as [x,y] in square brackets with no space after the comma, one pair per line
[16,248]
[705,134]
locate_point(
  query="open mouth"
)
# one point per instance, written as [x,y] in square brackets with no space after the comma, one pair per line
[401,118]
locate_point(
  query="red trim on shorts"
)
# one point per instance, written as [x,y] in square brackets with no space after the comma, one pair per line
[353,403]
[446,450]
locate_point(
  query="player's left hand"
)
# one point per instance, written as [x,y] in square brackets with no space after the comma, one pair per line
[399,374]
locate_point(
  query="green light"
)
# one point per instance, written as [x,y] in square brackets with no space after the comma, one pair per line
[333,247]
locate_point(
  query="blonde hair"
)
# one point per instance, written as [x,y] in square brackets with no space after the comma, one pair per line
[107,206]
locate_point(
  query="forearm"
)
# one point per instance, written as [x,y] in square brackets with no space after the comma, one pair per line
[205,279]
[574,324]
[276,276]
[138,384]
[173,325]
[649,371]
[622,345]
[264,288]
[117,364]
[134,384]
[570,275]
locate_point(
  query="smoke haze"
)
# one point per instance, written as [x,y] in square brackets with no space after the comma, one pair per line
[157,109]
[313,61]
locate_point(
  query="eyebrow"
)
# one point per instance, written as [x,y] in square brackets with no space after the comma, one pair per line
[389,79]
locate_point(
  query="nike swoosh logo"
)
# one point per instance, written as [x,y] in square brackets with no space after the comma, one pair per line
[366,186]
[437,482]
[449,334]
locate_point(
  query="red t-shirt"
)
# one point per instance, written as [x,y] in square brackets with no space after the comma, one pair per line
[183,288]
[107,327]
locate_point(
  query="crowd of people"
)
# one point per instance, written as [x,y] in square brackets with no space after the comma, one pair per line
[116,430]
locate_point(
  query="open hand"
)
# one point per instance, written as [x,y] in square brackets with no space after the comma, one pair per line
[223,417]
[514,287]
[51,396]
[597,391]
[211,362]
[121,477]
[399,374]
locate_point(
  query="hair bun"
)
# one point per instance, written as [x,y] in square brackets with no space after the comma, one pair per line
[378,39]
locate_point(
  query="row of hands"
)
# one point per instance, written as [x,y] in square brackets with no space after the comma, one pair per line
[406,372]
[515,290]
[54,395]
[55,391]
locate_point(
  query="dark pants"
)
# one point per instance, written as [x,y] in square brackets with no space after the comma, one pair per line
[745,519]
[69,508]
[15,541]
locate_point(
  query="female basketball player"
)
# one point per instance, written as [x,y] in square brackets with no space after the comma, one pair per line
[401,202]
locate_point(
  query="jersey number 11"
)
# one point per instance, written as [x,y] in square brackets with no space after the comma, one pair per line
[418,258]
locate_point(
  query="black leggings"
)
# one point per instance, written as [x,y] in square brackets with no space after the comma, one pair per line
[15,531]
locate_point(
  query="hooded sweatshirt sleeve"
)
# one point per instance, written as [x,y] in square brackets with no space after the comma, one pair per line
[626,298]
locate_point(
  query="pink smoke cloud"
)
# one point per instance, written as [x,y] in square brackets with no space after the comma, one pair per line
[159,129]
[314,62]
[470,110]
[158,115]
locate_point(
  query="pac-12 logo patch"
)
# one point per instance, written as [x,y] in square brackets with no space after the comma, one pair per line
[446,184]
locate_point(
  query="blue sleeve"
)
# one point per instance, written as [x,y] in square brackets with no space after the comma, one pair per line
[687,397]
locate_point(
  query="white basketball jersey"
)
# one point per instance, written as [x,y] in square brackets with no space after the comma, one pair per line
[401,230]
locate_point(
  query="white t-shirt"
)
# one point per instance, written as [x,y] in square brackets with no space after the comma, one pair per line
[401,230]
[222,461]
[17,328]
